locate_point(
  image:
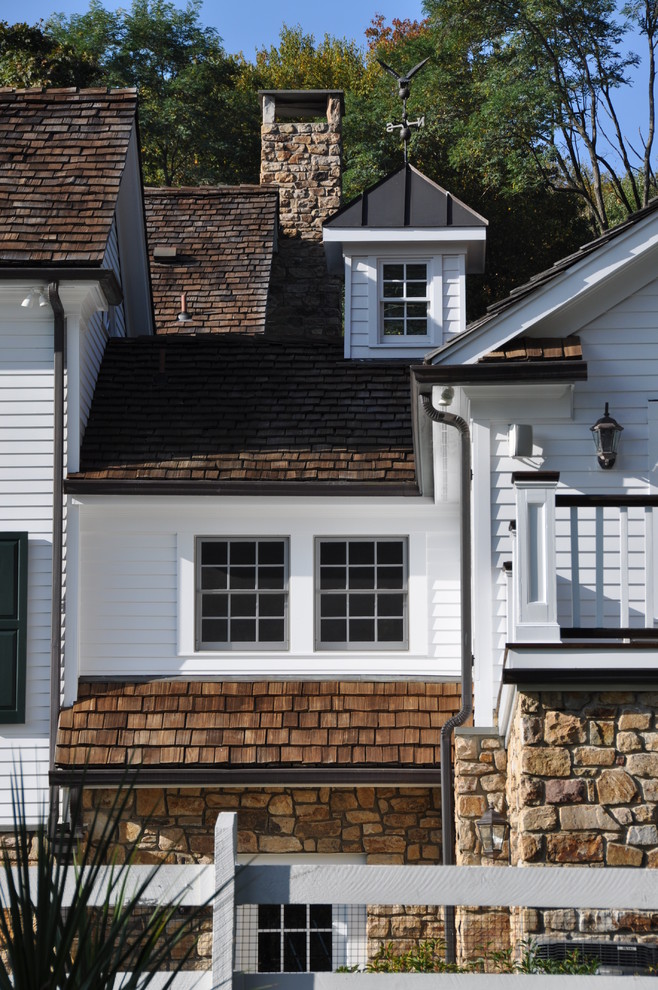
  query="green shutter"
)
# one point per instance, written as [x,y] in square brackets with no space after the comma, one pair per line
[13,626]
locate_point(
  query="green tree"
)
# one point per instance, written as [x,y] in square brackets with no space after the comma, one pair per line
[29,57]
[198,117]
[542,76]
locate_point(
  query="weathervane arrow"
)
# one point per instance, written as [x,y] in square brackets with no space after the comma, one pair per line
[403,92]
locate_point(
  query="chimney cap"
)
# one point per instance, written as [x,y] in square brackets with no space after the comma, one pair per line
[301,104]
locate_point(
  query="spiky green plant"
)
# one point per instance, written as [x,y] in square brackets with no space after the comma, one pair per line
[67,919]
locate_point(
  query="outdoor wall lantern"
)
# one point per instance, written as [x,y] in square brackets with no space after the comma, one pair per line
[493,829]
[606,433]
[35,297]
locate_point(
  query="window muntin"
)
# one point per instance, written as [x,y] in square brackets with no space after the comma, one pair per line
[242,593]
[361,593]
[404,299]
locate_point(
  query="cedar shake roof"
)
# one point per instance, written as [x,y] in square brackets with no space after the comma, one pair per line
[241,724]
[229,407]
[62,155]
[215,244]
[537,349]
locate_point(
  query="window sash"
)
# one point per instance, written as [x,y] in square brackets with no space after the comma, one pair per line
[362,604]
[404,300]
[244,595]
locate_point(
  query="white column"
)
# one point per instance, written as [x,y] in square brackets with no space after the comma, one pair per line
[535,572]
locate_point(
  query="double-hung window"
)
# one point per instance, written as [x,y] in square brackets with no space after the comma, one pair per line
[242,593]
[361,593]
[404,299]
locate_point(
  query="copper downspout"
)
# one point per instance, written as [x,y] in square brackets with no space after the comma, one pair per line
[58,540]
[447,786]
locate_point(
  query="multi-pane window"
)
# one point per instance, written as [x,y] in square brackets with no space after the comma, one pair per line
[242,594]
[404,299]
[361,593]
[294,938]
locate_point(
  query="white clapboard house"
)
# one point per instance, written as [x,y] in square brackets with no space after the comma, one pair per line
[231,537]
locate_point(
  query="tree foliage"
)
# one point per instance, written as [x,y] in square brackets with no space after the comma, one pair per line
[28,57]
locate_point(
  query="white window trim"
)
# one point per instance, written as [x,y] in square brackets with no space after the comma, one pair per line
[301,658]
[435,296]
[230,646]
[405,300]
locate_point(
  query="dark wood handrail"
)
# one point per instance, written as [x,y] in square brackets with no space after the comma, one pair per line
[611,501]
[607,632]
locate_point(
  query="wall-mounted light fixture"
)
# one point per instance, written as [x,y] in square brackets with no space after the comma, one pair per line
[606,433]
[493,829]
[183,316]
[35,297]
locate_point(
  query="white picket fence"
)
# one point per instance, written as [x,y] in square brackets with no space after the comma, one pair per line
[235,884]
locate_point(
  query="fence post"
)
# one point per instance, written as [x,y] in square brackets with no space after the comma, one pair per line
[223,920]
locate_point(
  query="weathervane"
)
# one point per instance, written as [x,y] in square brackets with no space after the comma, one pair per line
[403,93]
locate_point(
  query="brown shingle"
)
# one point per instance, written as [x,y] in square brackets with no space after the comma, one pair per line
[223,239]
[366,735]
[231,407]
[62,155]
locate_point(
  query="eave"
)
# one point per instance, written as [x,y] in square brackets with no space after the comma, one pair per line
[150,487]
[269,775]
[64,273]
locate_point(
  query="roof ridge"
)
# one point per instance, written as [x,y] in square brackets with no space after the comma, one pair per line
[57,91]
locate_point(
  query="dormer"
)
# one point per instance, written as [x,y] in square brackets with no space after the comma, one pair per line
[406,246]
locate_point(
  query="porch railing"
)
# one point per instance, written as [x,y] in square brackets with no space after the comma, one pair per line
[584,565]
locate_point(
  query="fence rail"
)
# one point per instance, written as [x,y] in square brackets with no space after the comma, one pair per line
[236,884]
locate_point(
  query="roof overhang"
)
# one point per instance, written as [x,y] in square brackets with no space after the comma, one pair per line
[149,487]
[341,241]
[424,376]
[104,277]
[187,776]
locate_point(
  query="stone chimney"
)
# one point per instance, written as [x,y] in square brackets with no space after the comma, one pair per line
[301,154]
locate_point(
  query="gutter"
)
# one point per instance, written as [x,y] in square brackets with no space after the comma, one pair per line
[447,785]
[58,538]
[189,776]
[54,274]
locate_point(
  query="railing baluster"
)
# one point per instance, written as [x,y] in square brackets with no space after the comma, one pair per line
[598,537]
[648,567]
[576,617]
[624,576]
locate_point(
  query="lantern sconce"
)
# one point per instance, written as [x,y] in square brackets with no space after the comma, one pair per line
[606,433]
[493,830]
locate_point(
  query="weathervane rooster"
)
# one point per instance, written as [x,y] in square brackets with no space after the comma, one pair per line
[403,93]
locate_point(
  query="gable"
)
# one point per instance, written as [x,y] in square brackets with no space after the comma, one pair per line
[62,157]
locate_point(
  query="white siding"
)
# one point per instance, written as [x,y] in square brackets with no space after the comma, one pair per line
[621,351]
[453,295]
[137,585]
[26,478]
[362,273]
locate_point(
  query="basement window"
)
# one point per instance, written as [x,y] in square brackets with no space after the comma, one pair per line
[242,594]
[404,300]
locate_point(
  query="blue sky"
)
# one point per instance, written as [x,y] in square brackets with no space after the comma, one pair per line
[246,25]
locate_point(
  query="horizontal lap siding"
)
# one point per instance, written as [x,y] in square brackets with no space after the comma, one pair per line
[128,601]
[131,607]
[453,318]
[621,351]
[360,330]
[26,481]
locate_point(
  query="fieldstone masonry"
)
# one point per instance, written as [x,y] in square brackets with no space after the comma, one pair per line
[480,780]
[583,791]
[386,824]
[304,160]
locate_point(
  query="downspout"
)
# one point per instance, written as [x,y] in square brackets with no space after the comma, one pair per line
[58,541]
[447,786]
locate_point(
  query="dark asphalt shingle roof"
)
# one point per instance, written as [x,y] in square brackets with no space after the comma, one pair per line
[62,155]
[229,407]
[224,239]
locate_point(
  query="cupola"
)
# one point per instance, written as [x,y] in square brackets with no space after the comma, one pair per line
[406,246]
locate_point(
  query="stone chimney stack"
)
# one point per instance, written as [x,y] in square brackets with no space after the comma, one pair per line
[301,155]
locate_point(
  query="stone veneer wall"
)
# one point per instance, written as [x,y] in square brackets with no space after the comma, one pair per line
[583,790]
[386,824]
[480,780]
[304,160]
